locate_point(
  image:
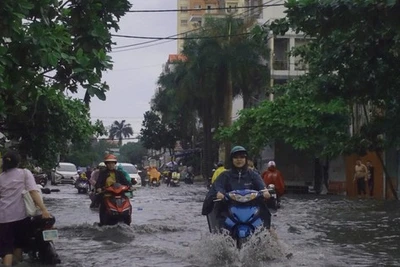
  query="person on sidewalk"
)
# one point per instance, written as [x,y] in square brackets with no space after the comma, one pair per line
[360,176]
[371,176]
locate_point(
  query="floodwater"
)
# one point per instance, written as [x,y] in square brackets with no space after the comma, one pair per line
[168,230]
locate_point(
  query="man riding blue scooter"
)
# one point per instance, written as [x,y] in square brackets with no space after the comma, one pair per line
[239,177]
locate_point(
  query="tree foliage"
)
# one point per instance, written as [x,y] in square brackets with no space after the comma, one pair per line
[157,135]
[47,49]
[354,55]
[88,153]
[133,153]
[296,117]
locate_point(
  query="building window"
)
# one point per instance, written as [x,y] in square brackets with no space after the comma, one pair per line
[184,22]
[184,9]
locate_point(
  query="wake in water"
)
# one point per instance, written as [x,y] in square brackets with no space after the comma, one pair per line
[119,233]
[261,249]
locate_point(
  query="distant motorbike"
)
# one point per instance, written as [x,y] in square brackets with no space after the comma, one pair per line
[175,179]
[41,178]
[82,185]
[154,182]
[118,207]
[189,177]
[41,247]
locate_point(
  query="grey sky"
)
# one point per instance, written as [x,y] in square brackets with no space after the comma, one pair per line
[133,79]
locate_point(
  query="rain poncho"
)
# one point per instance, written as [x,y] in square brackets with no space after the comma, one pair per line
[128,178]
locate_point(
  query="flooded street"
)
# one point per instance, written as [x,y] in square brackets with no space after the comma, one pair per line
[169,230]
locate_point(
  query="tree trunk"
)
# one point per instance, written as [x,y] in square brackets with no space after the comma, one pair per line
[388,178]
[228,113]
[207,144]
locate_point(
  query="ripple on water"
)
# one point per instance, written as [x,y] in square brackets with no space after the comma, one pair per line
[119,233]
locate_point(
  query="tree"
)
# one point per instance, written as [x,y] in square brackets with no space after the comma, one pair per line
[296,117]
[240,61]
[133,152]
[87,154]
[120,130]
[214,71]
[49,48]
[353,55]
[156,135]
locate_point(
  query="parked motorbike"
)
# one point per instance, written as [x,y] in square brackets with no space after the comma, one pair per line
[41,247]
[243,215]
[118,207]
[41,178]
[189,178]
[82,185]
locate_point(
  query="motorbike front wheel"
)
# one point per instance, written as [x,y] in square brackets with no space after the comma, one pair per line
[240,242]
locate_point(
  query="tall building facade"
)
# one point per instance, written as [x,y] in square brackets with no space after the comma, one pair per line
[192,13]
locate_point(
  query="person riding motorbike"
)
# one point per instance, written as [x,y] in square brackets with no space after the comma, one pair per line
[239,177]
[153,173]
[171,169]
[218,171]
[273,176]
[109,177]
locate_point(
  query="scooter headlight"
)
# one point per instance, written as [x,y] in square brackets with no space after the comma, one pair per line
[242,199]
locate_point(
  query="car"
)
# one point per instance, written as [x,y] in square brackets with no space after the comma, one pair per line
[133,173]
[64,173]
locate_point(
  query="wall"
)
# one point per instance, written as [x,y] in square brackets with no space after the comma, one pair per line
[296,167]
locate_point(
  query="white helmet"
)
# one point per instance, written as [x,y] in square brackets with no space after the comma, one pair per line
[271,163]
[101,164]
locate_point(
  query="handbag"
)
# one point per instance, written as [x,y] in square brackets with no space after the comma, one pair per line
[30,206]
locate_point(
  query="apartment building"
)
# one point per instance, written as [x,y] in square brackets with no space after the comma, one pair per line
[192,13]
[283,67]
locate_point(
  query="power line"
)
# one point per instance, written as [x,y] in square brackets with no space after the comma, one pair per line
[198,9]
[156,41]
[136,48]
[176,38]
[148,42]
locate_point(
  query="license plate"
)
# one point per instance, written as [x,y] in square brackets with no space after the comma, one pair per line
[50,235]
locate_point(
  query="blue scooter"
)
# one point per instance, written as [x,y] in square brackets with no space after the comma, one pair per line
[242,216]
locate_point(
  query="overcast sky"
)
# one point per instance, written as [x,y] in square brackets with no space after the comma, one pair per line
[133,78]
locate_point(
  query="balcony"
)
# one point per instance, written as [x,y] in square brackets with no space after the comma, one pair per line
[196,19]
[281,64]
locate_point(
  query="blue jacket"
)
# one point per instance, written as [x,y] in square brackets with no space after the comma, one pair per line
[236,180]
[231,180]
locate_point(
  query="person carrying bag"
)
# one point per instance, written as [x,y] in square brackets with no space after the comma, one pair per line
[14,213]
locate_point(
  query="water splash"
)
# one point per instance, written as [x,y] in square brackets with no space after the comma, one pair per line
[220,250]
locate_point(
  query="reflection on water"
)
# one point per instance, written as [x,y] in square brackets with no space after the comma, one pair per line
[168,230]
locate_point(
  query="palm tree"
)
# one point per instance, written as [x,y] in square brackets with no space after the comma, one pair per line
[239,63]
[120,130]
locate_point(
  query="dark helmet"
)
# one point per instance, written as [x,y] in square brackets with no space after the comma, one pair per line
[220,164]
[238,149]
